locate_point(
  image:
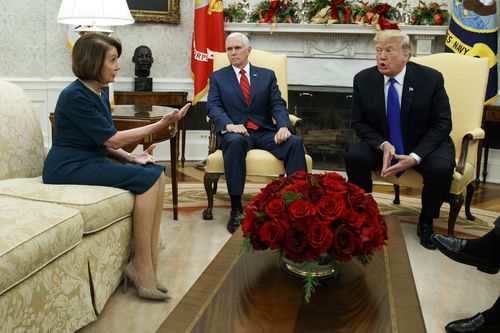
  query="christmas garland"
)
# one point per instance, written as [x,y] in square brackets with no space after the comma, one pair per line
[429,14]
[379,14]
[276,11]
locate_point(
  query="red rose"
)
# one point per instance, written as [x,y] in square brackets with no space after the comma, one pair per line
[249,219]
[334,185]
[299,209]
[331,207]
[375,233]
[274,186]
[371,206]
[319,237]
[352,218]
[275,208]
[365,245]
[314,194]
[298,175]
[309,215]
[300,186]
[257,243]
[355,195]
[271,233]
[247,225]
[344,243]
[295,243]
[257,201]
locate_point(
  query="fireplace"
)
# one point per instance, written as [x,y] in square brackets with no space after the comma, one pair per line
[326,123]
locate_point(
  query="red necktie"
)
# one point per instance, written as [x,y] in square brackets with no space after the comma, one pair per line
[245,89]
[245,86]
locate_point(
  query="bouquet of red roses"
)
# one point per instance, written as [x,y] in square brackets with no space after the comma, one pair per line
[308,216]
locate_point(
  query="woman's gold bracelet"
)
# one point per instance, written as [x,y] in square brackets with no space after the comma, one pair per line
[131,157]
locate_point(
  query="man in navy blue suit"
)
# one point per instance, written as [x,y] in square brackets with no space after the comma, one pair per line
[242,102]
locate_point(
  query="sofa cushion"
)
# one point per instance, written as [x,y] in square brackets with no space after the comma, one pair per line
[100,206]
[32,234]
[21,140]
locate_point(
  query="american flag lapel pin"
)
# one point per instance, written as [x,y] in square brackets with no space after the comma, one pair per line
[410,88]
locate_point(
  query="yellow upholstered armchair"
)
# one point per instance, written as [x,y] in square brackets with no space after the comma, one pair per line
[465,81]
[258,162]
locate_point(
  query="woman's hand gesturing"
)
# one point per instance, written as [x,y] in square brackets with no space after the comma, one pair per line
[146,156]
[175,115]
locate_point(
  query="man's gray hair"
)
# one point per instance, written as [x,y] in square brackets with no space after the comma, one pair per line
[244,38]
[392,34]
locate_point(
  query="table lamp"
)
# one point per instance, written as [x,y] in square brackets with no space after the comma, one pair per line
[89,14]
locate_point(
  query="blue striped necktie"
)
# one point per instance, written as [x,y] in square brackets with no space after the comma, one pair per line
[394,121]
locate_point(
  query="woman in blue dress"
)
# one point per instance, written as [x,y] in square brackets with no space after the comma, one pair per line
[85,137]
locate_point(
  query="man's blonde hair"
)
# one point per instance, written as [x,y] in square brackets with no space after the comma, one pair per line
[396,35]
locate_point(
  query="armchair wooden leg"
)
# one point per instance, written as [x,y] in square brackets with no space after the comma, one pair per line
[456,202]
[468,202]
[396,195]
[210,181]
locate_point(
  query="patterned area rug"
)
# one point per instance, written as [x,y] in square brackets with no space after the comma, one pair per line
[192,197]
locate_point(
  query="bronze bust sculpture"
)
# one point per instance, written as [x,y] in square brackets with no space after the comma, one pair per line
[143,59]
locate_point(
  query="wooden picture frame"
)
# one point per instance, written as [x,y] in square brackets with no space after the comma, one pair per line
[155,11]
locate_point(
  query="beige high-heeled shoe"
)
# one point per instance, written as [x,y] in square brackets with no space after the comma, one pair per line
[161,287]
[130,274]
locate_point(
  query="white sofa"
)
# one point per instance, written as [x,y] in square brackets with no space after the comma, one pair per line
[62,247]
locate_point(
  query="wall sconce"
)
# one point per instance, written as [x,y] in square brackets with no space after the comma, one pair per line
[92,13]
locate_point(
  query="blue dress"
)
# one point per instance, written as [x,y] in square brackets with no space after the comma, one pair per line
[82,124]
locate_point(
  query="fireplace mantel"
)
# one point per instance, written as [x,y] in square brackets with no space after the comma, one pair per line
[330,55]
[295,28]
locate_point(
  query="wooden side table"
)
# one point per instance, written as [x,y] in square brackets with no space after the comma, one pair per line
[175,99]
[491,125]
[133,116]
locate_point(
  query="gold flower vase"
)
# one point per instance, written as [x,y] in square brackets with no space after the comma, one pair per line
[323,268]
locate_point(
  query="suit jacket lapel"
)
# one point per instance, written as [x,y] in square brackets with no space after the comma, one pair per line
[254,82]
[234,84]
[406,98]
[380,102]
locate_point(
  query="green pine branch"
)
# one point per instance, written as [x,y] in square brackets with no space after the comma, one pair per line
[246,245]
[309,283]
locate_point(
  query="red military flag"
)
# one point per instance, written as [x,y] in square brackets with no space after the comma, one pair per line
[208,37]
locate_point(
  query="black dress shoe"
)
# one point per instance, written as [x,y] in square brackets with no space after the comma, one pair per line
[234,220]
[424,231]
[476,324]
[453,247]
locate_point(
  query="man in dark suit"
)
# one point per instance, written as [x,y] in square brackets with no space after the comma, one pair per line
[242,102]
[401,113]
[483,253]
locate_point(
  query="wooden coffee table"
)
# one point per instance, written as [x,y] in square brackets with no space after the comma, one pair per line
[251,293]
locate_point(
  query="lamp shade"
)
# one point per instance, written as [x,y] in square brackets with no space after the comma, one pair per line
[94,12]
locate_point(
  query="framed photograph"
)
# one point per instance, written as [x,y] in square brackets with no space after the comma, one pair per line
[155,11]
